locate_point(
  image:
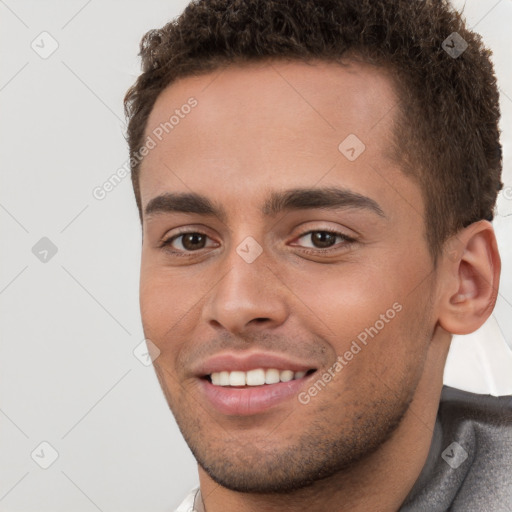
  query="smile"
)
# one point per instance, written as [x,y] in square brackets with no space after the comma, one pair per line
[256,377]
[245,393]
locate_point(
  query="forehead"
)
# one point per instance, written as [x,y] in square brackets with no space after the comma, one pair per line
[272,125]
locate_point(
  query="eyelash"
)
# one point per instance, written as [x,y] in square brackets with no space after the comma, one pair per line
[347,242]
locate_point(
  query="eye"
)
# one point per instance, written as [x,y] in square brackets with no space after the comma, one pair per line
[318,240]
[188,242]
[323,239]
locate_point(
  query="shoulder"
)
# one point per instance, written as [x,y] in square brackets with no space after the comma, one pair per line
[457,406]
[469,466]
[483,423]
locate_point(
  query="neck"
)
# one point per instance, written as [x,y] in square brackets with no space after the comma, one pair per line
[381,481]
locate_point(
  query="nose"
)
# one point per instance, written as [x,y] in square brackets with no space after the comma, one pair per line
[249,296]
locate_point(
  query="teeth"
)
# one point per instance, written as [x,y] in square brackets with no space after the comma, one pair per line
[237,379]
[286,376]
[272,376]
[224,379]
[257,377]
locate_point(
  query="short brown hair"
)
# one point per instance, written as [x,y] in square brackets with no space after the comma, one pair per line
[446,131]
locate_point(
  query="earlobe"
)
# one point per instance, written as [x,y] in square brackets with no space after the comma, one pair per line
[470,269]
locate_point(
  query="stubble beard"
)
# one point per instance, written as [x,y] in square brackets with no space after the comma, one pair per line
[278,464]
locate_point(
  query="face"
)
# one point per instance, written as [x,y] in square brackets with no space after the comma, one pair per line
[285,276]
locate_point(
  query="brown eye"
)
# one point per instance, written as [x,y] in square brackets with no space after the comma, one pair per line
[193,241]
[188,242]
[322,240]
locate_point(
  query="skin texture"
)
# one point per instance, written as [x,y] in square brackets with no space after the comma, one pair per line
[264,128]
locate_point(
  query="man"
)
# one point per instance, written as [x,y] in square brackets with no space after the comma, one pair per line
[315,182]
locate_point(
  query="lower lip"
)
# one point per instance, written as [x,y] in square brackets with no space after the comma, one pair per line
[250,400]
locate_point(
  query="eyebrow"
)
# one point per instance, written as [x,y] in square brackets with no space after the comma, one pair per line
[289,200]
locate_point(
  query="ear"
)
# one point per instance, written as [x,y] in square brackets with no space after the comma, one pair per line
[470,272]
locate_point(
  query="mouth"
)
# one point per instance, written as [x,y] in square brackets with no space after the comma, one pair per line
[255,378]
[251,382]
[235,393]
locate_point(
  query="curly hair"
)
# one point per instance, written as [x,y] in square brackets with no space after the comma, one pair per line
[446,127]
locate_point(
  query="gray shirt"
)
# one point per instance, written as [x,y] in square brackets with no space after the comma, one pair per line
[469,465]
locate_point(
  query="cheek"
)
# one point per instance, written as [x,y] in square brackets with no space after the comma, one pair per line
[155,300]
[346,299]
[166,292]
[168,306]
[374,319]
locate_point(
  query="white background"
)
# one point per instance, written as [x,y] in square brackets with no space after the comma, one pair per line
[69,326]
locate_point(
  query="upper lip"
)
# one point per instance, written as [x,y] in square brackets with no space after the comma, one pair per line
[244,361]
